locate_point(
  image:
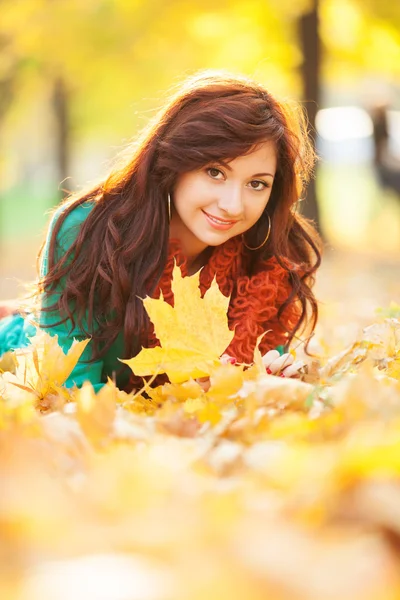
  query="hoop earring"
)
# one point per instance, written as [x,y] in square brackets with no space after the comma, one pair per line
[265,239]
[169,207]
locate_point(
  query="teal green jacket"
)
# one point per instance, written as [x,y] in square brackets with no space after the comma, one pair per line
[16,331]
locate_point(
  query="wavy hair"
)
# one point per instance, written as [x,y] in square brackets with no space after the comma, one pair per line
[121,249]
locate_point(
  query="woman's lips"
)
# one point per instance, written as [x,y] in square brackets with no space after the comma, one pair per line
[221,224]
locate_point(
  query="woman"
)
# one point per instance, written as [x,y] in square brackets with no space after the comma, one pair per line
[214,185]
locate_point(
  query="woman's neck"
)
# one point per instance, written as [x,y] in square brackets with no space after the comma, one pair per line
[199,261]
[193,249]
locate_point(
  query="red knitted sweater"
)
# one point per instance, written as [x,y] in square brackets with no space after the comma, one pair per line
[254,300]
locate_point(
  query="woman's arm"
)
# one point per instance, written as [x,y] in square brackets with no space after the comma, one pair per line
[48,320]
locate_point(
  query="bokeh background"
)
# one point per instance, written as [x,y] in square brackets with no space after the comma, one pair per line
[80,79]
[315,514]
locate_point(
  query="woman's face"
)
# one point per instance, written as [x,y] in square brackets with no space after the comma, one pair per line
[222,200]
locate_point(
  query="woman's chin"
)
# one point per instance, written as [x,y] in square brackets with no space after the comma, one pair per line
[215,238]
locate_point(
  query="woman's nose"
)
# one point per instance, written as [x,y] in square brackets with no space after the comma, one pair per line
[230,201]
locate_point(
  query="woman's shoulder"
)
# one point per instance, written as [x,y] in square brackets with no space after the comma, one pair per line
[72,222]
[67,232]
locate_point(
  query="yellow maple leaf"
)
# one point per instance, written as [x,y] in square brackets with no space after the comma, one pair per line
[96,413]
[193,334]
[43,367]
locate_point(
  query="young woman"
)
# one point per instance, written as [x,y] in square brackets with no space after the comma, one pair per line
[213,184]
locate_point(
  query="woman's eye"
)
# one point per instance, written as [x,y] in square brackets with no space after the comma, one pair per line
[214,173]
[258,185]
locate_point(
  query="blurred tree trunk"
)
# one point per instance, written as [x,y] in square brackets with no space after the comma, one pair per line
[60,99]
[6,96]
[311,49]
[7,91]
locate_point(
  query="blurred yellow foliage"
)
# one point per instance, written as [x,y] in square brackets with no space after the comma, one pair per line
[258,486]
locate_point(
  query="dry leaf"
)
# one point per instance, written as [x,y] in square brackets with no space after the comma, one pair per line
[193,334]
[42,366]
[282,391]
[8,362]
[96,413]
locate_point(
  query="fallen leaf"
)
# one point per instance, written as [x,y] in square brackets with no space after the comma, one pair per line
[96,412]
[193,334]
[43,366]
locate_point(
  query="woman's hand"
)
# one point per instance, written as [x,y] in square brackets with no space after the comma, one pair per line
[283,365]
[275,364]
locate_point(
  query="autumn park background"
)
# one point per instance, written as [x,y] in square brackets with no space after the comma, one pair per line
[291,491]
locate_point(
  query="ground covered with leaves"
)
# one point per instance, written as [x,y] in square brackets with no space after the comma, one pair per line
[260,487]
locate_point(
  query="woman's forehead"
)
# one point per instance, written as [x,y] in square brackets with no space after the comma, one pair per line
[263,154]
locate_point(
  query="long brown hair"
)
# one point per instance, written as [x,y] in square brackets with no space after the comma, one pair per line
[121,249]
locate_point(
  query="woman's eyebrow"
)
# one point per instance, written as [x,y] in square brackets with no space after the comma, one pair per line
[225,164]
[263,175]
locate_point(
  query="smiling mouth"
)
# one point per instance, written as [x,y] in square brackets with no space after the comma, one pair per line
[217,220]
